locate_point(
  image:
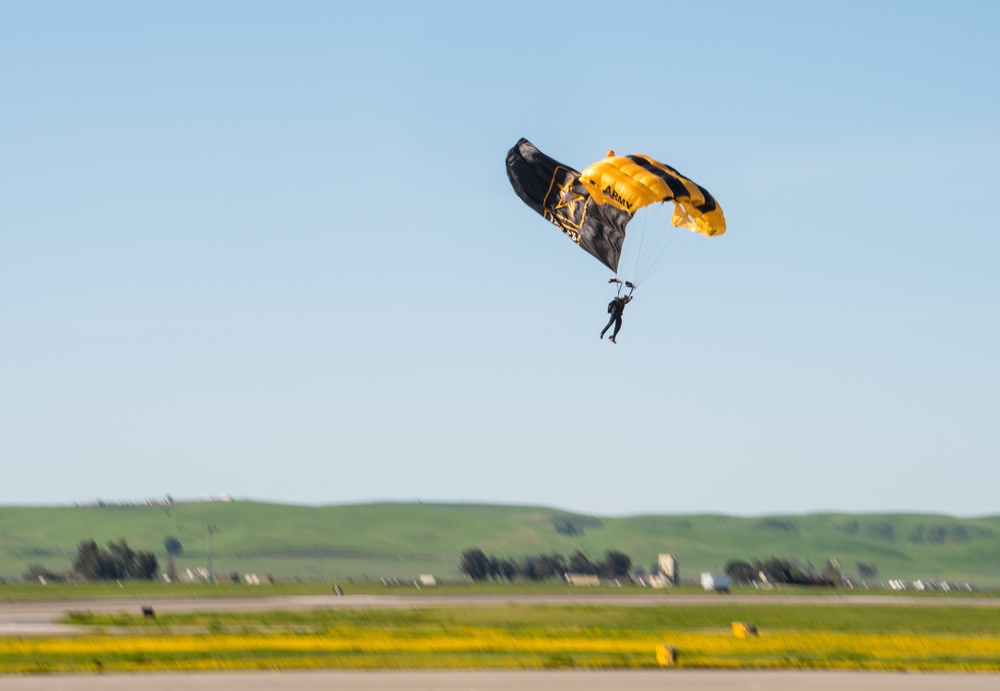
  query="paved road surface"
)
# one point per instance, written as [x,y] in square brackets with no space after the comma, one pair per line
[573,680]
[28,618]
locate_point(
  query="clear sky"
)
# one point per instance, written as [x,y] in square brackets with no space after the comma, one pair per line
[269,249]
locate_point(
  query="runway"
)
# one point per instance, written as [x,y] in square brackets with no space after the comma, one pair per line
[39,618]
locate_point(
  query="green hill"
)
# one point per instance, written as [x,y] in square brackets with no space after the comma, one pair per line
[371,541]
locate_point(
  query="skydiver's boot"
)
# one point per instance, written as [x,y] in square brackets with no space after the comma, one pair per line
[613,340]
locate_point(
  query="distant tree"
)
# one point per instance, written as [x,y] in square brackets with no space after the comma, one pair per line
[881,531]
[527,568]
[615,564]
[117,562]
[474,564]
[830,574]
[89,561]
[565,526]
[740,571]
[173,546]
[37,572]
[580,563]
[551,566]
[508,568]
[780,570]
[145,566]
[867,570]
[541,567]
[122,559]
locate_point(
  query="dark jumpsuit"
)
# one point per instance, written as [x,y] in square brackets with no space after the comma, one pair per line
[617,307]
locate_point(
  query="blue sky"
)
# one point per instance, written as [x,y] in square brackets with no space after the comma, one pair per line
[270,250]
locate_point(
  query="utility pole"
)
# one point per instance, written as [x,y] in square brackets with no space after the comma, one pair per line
[210,530]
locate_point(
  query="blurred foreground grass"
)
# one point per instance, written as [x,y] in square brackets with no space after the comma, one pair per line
[917,638]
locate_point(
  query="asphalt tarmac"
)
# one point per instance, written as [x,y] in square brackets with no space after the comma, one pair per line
[38,618]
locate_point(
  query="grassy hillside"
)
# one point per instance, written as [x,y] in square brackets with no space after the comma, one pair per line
[371,541]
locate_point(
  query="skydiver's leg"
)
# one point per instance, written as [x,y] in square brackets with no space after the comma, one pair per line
[610,322]
[618,326]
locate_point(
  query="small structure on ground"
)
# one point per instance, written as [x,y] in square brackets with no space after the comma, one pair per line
[715,581]
[583,579]
[667,573]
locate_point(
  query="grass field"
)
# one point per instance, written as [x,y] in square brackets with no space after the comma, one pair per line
[791,637]
[364,543]
[152,590]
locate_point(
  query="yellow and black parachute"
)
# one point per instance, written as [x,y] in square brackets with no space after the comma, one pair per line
[594,208]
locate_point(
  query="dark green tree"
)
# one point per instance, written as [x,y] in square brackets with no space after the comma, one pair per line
[831,573]
[122,559]
[117,562]
[508,568]
[867,570]
[740,571]
[551,566]
[475,564]
[89,561]
[580,563]
[145,566]
[37,572]
[527,568]
[173,546]
[615,564]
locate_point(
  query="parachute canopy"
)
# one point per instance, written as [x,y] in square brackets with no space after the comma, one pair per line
[593,208]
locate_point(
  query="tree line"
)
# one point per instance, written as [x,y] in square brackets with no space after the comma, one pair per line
[779,570]
[94,563]
[118,561]
[480,567]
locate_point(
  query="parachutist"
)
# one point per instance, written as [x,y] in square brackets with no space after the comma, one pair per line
[615,308]
[595,208]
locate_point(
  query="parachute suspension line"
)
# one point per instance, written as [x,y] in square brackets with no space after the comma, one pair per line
[642,241]
[678,241]
[635,239]
[636,244]
[653,241]
[653,236]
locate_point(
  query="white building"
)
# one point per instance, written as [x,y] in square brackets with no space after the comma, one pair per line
[668,567]
[715,581]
